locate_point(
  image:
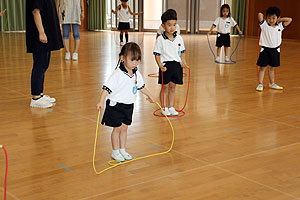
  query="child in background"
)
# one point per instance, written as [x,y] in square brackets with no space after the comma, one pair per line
[121,89]
[270,40]
[124,24]
[2,12]
[161,29]
[224,24]
[169,51]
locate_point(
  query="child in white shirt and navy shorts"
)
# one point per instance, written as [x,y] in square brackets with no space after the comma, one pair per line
[270,41]
[161,29]
[169,54]
[224,24]
[121,90]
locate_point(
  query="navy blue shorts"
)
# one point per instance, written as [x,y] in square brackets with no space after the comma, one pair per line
[173,74]
[269,56]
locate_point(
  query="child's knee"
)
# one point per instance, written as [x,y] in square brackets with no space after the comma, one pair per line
[124,127]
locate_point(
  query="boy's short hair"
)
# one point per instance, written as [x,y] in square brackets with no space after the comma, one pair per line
[273,10]
[169,15]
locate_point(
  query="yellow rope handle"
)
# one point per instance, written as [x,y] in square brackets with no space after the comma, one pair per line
[114,163]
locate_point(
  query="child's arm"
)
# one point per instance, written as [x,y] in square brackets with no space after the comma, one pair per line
[212,27]
[2,13]
[82,9]
[39,25]
[285,20]
[184,65]
[103,95]
[157,59]
[57,5]
[260,17]
[239,30]
[118,8]
[147,93]
[133,13]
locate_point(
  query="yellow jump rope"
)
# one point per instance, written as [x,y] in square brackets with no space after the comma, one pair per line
[114,163]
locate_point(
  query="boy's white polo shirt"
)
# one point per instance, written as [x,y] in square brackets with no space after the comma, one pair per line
[161,30]
[169,50]
[122,87]
[270,36]
[224,25]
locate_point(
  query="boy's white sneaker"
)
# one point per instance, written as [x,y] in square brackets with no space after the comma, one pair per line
[117,157]
[68,56]
[227,59]
[276,87]
[173,111]
[167,112]
[217,60]
[75,56]
[48,98]
[40,103]
[260,87]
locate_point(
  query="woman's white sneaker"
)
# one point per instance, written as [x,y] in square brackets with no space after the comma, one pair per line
[50,99]
[75,56]
[40,103]
[68,56]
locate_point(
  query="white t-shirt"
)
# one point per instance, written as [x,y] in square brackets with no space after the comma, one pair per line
[224,25]
[124,14]
[70,12]
[270,36]
[169,50]
[161,29]
[122,87]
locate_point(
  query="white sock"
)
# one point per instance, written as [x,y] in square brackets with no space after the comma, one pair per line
[115,151]
[122,150]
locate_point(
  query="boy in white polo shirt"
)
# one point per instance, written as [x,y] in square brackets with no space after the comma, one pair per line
[270,40]
[121,89]
[169,54]
[161,29]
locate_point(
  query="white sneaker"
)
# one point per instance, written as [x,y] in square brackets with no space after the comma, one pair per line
[167,112]
[75,56]
[227,59]
[217,59]
[260,87]
[122,43]
[276,87]
[117,157]
[68,56]
[173,111]
[126,155]
[48,98]
[40,103]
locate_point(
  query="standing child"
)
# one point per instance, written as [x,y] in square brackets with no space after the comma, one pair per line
[224,24]
[124,24]
[169,54]
[71,12]
[161,28]
[270,40]
[121,89]
[43,35]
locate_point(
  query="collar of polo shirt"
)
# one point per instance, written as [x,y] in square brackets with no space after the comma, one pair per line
[123,69]
[166,37]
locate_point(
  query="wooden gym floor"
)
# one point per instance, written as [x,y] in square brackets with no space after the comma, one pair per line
[233,143]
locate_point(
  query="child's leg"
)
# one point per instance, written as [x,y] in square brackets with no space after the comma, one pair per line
[272,74]
[123,136]
[218,51]
[66,33]
[121,36]
[261,74]
[172,87]
[163,94]
[76,36]
[126,35]
[226,51]
[115,136]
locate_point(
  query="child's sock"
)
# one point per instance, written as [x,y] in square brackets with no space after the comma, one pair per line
[121,37]
[122,150]
[126,36]
[115,151]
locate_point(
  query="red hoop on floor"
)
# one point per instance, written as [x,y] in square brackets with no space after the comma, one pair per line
[181,113]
